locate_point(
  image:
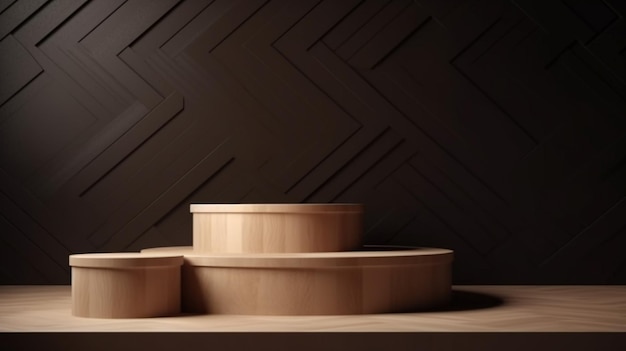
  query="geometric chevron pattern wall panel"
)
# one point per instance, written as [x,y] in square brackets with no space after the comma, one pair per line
[494,128]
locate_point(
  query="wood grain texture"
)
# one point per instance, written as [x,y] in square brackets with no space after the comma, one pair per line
[125,285]
[475,309]
[271,228]
[321,291]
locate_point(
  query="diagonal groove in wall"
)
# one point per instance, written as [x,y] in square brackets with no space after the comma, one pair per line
[583,235]
[131,140]
[356,155]
[122,234]
[36,230]
[369,167]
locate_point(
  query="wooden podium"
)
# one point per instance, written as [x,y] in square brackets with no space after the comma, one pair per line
[264,259]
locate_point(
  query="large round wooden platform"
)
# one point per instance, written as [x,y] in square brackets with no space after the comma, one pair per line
[372,280]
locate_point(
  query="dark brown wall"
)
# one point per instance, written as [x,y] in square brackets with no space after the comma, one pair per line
[494,128]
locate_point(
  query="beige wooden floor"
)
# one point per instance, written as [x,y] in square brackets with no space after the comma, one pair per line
[474,309]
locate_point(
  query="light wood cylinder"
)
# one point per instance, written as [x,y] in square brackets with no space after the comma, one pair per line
[317,283]
[125,285]
[276,228]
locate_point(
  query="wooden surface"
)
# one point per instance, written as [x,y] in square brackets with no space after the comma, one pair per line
[473,309]
[125,285]
[275,228]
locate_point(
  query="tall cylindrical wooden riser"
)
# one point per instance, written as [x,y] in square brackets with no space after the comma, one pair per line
[274,228]
[122,291]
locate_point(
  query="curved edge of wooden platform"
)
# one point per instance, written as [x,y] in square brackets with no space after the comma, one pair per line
[125,260]
[277,208]
[385,256]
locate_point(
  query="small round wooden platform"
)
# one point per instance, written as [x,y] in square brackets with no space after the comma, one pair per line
[125,285]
